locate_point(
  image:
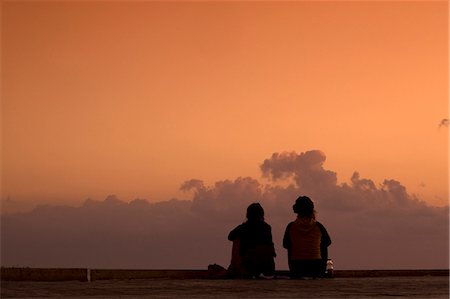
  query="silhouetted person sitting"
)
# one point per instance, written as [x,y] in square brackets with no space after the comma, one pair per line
[253,249]
[307,241]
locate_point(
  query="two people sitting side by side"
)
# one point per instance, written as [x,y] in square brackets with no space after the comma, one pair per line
[306,241]
[253,249]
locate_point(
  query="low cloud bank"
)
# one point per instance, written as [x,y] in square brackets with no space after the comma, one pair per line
[372,227]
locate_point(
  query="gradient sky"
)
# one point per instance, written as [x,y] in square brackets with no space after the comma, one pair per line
[135,98]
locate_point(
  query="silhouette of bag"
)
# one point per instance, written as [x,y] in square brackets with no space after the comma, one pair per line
[216,271]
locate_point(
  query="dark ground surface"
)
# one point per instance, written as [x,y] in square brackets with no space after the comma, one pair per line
[345,287]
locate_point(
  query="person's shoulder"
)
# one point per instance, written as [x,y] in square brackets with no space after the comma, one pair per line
[235,233]
[320,225]
[290,224]
[266,225]
[238,228]
[241,226]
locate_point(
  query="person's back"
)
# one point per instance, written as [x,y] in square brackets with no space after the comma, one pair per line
[307,242]
[256,249]
[305,238]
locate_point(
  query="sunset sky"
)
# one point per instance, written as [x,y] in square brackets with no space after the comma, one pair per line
[133,99]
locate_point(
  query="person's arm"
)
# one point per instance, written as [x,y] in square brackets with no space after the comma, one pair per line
[271,240]
[287,238]
[325,239]
[235,233]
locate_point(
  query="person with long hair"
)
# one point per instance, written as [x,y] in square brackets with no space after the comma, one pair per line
[306,241]
[253,248]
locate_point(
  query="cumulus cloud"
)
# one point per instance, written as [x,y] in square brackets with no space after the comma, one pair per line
[372,226]
[306,169]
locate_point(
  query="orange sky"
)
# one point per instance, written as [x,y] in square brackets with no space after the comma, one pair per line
[134,98]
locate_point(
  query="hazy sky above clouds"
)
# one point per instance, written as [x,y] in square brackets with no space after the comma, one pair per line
[135,98]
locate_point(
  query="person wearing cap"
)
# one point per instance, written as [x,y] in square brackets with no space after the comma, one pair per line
[253,247]
[306,241]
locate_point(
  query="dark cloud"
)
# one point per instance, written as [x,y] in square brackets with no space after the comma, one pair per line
[306,169]
[444,123]
[371,226]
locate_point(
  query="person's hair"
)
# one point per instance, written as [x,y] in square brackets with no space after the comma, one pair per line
[304,207]
[255,212]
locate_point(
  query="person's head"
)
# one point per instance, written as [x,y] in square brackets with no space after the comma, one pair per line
[255,212]
[304,207]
